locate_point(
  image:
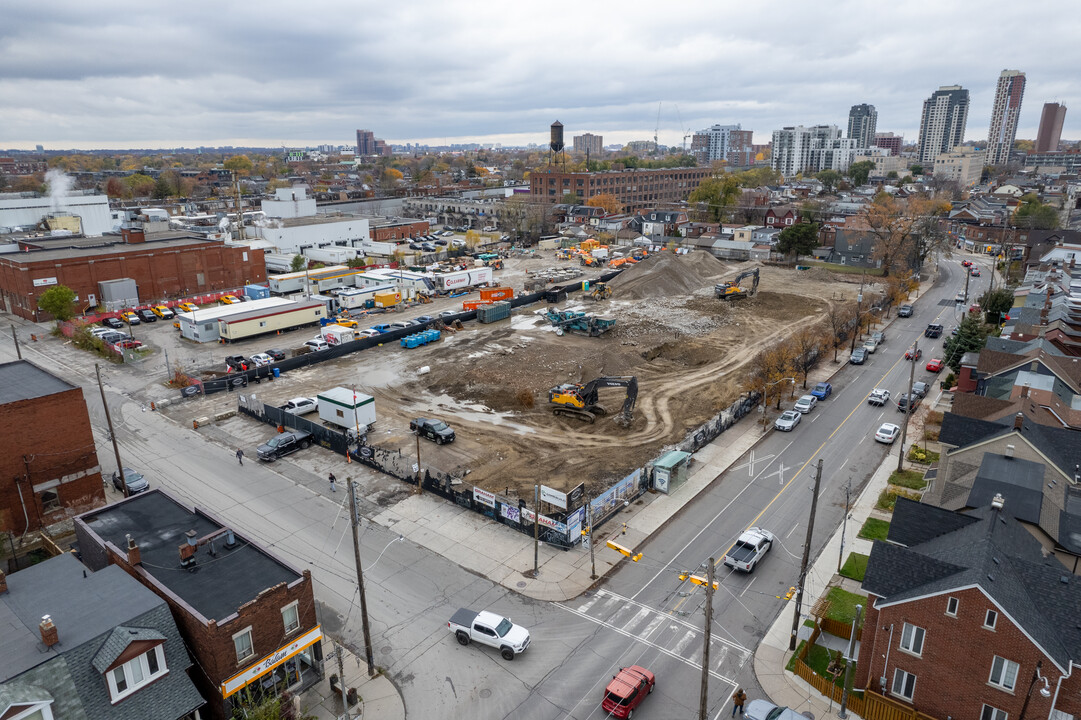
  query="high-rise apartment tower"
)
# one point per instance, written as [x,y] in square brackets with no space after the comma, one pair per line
[1004,113]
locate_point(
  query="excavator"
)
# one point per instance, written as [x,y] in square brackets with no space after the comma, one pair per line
[731,289]
[599,291]
[580,401]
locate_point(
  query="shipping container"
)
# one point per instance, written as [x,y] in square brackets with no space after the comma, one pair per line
[474,304]
[269,320]
[497,293]
[347,409]
[257,292]
[493,312]
[358,297]
[337,335]
[387,299]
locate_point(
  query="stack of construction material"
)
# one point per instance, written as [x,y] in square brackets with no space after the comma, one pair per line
[493,312]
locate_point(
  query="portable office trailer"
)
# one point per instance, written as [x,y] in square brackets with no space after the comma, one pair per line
[202,325]
[293,282]
[350,298]
[269,320]
[335,254]
[347,409]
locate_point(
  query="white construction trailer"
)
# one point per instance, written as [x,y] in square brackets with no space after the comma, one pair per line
[347,409]
[270,320]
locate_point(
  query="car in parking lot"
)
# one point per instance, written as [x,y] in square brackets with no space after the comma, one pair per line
[805,404]
[260,360]
[913,353]
[975,272]
[382,328]
[788,421]
[135,481]
[904,311]
[858,357]
[427,247]
[130,317]
[299,406]
[236,363]
[114,323]
[400,325]
[421,319]
[878,396]
[146,315]
[229,299]
[414,246]
[435,430]
[188,307]
[935,365]
[346,322]
[317,344]
[822,390]
[163,311]
[440,241]
[449,314]
[627,691]
[887,433]
[275,354]
[367,333]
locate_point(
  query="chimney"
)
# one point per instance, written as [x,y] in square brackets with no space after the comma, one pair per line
[134,555]
[998,502]
[1018,419]
[3,582]
[1024,394]
[49,636]
[132,235]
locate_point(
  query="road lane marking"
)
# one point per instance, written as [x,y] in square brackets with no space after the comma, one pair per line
[655,646]
[748,585]
[752,462]
[631,601]
[791,531]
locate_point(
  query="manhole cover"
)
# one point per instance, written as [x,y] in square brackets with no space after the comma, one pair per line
[485,693]
[385,649]
[521,584]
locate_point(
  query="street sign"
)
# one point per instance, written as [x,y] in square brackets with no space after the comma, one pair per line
[416,467]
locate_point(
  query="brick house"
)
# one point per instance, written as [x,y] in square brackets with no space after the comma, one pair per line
[1045,386]
[1035,466]
[398,229]
[79,645]
[635,189]
[247,617]
[782,216]
[967,619]
[49,468]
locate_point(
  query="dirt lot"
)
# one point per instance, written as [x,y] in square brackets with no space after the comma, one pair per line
[490,382]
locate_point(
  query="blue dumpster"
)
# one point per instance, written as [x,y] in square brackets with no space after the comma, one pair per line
[277,372]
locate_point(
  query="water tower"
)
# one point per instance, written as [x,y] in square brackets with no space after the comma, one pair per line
[555,146]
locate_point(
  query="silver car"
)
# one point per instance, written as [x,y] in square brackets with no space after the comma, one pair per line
[805,404]
[765,710]
[789,420]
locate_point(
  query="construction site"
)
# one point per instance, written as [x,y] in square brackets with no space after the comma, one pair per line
[668,342]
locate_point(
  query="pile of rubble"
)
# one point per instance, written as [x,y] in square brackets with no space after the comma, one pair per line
[669,275]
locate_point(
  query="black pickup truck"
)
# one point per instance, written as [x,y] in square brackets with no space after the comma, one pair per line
[282,444]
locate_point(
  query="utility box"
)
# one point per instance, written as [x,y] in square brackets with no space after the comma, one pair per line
[256,292]
[387,299]
[492,313]
[118,294]
[348,410]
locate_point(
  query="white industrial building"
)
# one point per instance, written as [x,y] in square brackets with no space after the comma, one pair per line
[23,211]
[293,226]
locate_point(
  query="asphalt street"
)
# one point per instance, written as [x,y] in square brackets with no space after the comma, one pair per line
[642,614]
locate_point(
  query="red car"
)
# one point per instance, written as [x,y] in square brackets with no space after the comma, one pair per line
[911,354]
[966,263]
[935,365]
[627,691]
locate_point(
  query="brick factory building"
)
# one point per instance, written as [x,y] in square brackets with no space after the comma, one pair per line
[163,265]
[49,468]
[404,229]
[246,616]
[635,189]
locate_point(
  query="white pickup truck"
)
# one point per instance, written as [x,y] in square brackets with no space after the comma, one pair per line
[489,629]
[749,550]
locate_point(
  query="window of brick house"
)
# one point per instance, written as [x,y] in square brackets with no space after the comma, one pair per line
[951,607]
[1003,673]
[141,670]
[49,501]
[990,619]
[290,617]
[904,684]
[242,644]
[912,639]
[992,713]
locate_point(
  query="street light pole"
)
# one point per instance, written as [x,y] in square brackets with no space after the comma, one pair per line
[908,405]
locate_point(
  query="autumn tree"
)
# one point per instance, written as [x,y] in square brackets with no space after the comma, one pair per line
[839,316]
[807,345]
[140,185]
[716,197]
[893,229]
[239,164]
[58,301]
[770,368]
[114,187]
[606,201]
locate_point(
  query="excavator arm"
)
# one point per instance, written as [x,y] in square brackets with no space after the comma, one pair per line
[588,396]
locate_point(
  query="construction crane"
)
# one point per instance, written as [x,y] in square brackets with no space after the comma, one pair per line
[580,401]
[679,116]
[731,289]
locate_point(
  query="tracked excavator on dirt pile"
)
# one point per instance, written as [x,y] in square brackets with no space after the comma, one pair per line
[580,401]
[731,289]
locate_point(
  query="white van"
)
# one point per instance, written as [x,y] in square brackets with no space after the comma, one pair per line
[317,344]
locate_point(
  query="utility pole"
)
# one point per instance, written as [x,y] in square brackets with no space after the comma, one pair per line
[705,648]
[18,350]
[859,308]
[968,276]
[354,520]
[341,680]
[850,664]
[844,528]
[420,487]
[806,559]
[112,434]
[536,531]
[589,520]
[908,406]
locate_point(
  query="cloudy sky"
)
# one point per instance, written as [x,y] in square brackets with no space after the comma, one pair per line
[79,74]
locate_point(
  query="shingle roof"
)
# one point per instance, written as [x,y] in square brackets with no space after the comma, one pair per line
[996,553]
[118,642]
[914,523]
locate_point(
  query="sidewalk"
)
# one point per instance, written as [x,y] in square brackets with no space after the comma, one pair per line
[378,696]
[771,656]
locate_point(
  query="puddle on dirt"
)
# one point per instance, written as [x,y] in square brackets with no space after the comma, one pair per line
[475,412]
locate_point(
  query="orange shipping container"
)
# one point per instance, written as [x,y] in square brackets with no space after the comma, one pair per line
[497,293]
[474,304]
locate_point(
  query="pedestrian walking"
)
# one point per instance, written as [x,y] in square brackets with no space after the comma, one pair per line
[240,456]
[738,698]
[332,481]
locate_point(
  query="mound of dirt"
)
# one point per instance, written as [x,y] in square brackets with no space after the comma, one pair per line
[667,275]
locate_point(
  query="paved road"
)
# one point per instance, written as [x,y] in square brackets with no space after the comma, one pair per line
[644,614]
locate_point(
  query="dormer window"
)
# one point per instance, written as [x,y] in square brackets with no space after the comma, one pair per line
[127,677]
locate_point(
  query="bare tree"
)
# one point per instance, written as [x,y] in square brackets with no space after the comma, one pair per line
[769,368]
[839,315]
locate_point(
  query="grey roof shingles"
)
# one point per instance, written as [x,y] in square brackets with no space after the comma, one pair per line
[996,553]
[22,380]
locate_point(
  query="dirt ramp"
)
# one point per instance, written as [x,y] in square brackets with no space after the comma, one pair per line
[667,275]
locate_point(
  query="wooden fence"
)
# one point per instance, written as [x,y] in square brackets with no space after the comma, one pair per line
[840,629]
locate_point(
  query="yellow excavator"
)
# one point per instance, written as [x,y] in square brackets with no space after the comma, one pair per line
[732,290]
[599,291]
[581,401]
